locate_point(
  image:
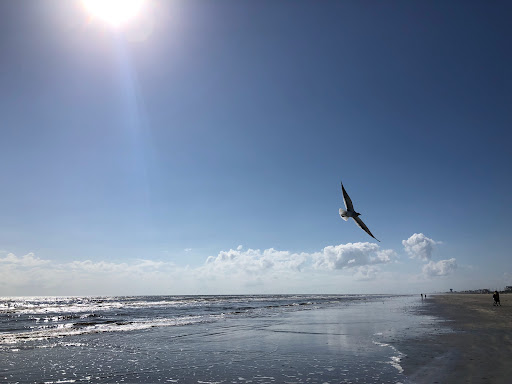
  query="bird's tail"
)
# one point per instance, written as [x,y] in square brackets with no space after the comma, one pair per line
[343,214]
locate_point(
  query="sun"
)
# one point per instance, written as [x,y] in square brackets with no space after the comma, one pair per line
[113,12]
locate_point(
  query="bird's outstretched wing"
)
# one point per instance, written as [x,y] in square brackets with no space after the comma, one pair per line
[346,199]
[361,225]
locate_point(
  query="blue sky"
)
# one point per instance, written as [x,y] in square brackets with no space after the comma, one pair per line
[138,159]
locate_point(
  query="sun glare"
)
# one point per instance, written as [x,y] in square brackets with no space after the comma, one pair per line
[113,12]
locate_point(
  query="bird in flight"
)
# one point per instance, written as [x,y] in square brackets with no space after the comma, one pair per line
[350,212]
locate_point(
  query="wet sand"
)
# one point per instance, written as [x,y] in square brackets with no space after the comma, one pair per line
[478,351]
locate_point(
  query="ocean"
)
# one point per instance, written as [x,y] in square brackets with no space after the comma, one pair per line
[208,339]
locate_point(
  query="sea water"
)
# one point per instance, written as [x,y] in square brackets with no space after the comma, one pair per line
[207,339]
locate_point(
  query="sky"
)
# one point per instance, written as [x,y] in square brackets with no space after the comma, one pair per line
[198,148]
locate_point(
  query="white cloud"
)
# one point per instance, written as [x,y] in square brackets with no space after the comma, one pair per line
[366,272]
[419,246]
[28,260]
[238,270]
[254,261]
[352,255]
[440,268]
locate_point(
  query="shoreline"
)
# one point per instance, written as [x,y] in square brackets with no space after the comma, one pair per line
[344,342]
[479,350]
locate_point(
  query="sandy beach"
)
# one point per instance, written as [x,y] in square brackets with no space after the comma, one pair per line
[478,351]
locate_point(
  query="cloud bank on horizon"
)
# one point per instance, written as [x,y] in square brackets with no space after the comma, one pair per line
[335,267]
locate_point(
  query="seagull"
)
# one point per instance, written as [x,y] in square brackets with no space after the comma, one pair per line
[350,212]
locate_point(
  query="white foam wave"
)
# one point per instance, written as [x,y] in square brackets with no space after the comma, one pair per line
[44,305]
[74,329]
[36,305]
[395,360]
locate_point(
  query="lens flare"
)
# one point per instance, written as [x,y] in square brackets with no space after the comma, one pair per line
[113,12]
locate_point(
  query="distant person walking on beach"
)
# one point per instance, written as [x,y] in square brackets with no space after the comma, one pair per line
[496,297]
[422,296]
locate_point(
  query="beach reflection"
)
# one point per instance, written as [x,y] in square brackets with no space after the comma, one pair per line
[342,342]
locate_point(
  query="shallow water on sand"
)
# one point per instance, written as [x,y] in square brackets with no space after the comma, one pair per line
[215,339]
